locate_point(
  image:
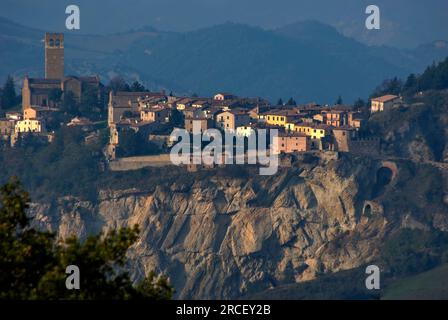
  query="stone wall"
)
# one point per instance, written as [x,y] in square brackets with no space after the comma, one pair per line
[134,163]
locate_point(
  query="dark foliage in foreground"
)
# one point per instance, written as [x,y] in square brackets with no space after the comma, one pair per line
[33,263]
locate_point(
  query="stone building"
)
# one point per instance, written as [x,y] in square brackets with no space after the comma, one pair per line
[41,92]
[201,124]
[155,114]
[231,119]
[342,137]
[383,103]
[54,55]
[123,101]
[6,128]
[290,142]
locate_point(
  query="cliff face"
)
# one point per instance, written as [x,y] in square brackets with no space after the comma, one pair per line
[223,237]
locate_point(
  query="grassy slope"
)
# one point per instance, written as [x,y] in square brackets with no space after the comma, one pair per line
[432,284]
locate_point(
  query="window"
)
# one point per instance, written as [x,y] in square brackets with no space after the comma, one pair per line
[51,43]
[57,42]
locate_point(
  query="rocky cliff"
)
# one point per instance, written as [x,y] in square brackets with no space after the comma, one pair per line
[219,236]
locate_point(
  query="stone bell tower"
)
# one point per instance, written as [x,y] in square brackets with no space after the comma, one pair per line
[54,55]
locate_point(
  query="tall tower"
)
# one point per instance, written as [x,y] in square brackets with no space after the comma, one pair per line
[54,55]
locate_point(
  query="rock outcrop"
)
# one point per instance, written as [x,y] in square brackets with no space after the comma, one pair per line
[224,237]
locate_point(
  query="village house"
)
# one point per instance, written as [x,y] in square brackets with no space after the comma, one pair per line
[231,119]
[246,130]
[336,118]
[321,117]
[129,102]
[29,125]
[314,131]
[152,100]
[191,112]
[278,117]
[319,134]
[211,112]
[157,113]
[6,128]
[184,103]
[203,124]
[84,123]
[383,103]
[37,112]
[290,142]
[355,120]
[14,115]
[201,103]
[224,96]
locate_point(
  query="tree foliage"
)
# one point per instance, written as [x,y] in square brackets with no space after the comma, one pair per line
[118,84]
[33,262]
[9,96]
[137,87]
[389,86]
[135,144]
[291,102]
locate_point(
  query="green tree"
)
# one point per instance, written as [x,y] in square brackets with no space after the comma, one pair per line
[390,86]
[89,101]
[118,84]
[137,87]
[55,96]
[9,97]
[33,262]
[69,104]
[291,102]
[280,102]
[176,118]
[135,144]
[339,101]
[359,104]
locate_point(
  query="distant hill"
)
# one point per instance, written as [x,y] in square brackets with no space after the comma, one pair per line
[309,61]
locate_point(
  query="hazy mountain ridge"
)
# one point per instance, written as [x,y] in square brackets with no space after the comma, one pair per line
[307,60]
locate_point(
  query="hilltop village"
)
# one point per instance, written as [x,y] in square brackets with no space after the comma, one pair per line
[151,116]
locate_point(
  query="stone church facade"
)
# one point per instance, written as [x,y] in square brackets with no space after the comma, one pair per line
[40,92]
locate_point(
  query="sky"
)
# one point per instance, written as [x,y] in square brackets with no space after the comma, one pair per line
[404,23]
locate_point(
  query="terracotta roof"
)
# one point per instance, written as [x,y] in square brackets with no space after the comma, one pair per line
[344,128]
[281,112]
[385,98]
[313,125]
[291,134]
[43,81]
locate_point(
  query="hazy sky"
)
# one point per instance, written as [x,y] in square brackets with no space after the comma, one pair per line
[404,22]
